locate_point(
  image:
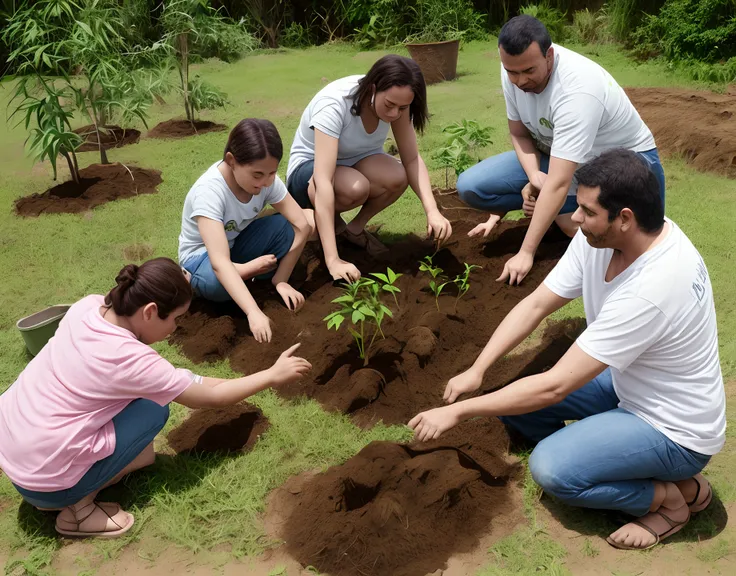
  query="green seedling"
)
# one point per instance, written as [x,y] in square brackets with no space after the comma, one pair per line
[388,280]
[436,284]
[462,281]
[361,304]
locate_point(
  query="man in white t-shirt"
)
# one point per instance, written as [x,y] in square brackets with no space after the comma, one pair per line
[643,380]
[563,109]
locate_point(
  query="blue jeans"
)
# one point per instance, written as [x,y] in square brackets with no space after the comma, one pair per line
[609,458]
[268,235]
[495,184]
[135,428]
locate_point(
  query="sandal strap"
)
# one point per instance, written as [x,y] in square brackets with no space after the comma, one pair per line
[108,515]
[649,529]
[697,493]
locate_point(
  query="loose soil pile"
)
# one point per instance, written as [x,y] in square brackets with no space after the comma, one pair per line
[398,509]
[424,347]
[98,184]
[697,125]
[184,128]
[112,137]
[219,430]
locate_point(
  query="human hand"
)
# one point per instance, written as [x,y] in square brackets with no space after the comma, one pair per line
[260,325]
[438,227]
[516,268]
[468,381]
[431,424]
[289,368]
[345,270]
[529,194]
[293,299]
[485,228]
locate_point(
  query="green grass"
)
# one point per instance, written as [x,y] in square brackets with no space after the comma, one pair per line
[205,504]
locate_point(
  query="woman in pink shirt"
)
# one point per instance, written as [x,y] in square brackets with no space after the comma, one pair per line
[85,411]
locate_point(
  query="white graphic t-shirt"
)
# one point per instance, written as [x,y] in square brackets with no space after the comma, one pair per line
[581,113]
[211,197]
[655,326]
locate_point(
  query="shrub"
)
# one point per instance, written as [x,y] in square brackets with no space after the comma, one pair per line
[295,35]
[551,17]
[702,30]
[590,27]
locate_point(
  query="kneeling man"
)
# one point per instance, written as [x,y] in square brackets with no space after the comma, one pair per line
[643,381]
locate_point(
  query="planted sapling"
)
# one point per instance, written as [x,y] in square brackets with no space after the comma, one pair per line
[462,282]
[436,284]
[388,280]
[361,304]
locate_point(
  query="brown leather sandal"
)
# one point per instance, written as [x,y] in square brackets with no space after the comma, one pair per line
[693,504]
[674,527]
[77,532]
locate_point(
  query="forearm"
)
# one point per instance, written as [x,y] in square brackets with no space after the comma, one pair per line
[518,324]
[324,216]
[286,266]
[418,177]
[227,392]
[549,202]
[527,153]
[236,288]
[521,397]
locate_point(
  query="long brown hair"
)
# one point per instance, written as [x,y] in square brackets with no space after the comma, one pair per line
[160,281]
[394,70]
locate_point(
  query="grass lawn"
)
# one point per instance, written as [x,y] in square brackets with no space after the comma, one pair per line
[214,506]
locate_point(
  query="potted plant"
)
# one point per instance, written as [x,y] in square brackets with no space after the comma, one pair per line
[438,26]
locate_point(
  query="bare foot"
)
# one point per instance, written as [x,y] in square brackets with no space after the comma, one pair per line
[257,266]
[669,518]
[104,519]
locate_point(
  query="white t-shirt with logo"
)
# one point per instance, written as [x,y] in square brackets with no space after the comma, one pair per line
[211,197]
[581,113]
[655,326]
[329,112]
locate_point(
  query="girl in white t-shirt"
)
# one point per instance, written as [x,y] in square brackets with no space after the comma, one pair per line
[337,161]
[223,242]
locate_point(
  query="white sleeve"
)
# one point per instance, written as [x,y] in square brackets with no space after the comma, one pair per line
[623,330]
[512,112]
[208,203]
[576,120]
[278,191]
[327,117]
[566,278]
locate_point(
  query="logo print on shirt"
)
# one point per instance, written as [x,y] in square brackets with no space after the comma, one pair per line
[698,286]
[231,226]
[546,123]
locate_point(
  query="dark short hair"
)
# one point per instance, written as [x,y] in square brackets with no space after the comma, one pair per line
[520,32]
[625,181]
[394,70]
[160,281]
[254,139]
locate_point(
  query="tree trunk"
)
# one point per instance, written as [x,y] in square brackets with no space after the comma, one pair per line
[183,41]
[73,169]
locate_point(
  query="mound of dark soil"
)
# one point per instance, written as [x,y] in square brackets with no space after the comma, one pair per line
[398,509]
[695,124]
[219,430]
[184,128]
[112,137]
[98,185]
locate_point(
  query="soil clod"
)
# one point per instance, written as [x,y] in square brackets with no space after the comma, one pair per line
[184,128]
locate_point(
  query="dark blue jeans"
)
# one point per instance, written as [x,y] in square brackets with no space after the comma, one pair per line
[268,235]
[135,428]
[609,458]
[495,184]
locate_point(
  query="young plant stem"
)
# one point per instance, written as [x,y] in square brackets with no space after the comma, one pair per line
[183,41]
